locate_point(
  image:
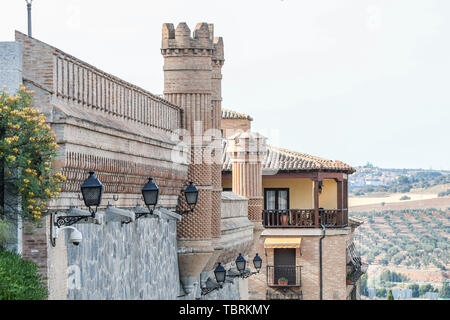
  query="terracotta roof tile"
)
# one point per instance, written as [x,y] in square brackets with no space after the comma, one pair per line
[287,160]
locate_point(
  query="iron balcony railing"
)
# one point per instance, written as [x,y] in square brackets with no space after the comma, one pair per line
[284,276]
[304,218]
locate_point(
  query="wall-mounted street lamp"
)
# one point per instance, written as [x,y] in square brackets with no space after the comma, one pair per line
[241,264]
[191,195]
[221,277]
[92,191]
[221,274]
[150,193]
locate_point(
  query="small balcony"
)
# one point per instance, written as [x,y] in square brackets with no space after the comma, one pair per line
[305,218]
[284,276]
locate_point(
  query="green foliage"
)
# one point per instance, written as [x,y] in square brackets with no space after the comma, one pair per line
[364,287]
[19,278]
[27,149]
[444,193]
[5,232]
[405,198]
[390,296]
[389,276]
[423,289]
[415,290]
[381,292]
[403,180]
[445,291]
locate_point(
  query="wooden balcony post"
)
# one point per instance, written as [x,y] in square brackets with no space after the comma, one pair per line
[345,200]
[339,212]
[316,203]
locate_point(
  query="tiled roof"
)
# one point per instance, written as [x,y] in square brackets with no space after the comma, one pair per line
[287,160]
[228,114]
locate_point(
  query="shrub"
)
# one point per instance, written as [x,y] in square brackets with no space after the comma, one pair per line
[5,232]
[405,198]
[27,149]
[444,193]
[390,296]
[381,292]
[19,278]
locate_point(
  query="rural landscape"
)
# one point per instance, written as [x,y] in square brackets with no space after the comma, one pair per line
[404,238]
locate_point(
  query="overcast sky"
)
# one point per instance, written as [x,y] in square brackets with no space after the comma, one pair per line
[354,80]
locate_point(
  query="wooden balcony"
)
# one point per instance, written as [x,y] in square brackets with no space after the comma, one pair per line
[305,218]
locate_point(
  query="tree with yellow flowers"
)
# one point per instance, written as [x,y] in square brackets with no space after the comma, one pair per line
[27,149]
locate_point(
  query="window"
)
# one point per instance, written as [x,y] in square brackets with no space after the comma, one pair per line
[227,189]
[276,199]
[284,261]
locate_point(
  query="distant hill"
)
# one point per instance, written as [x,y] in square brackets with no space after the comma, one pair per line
[369,179]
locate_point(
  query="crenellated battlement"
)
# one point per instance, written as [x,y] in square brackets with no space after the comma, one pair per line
[218,54]
[182,38]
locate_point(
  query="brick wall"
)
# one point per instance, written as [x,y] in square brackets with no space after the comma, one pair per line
[233,126]
[103,123]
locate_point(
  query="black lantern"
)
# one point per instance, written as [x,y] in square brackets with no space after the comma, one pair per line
[220,273]
[191,194]
[150,192]
[240,263]
[92,191]
[257,262]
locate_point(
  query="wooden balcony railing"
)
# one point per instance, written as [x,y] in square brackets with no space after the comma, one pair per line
[291,274]
[304,218]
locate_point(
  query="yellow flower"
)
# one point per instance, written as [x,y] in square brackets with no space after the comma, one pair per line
[29,162]
[30,207]
[31,194]
[16,150]
[26,180]
[12,158]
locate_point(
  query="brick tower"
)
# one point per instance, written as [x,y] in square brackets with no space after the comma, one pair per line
[192,76]
[246,151]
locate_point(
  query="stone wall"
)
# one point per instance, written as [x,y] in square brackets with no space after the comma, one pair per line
[130,261]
